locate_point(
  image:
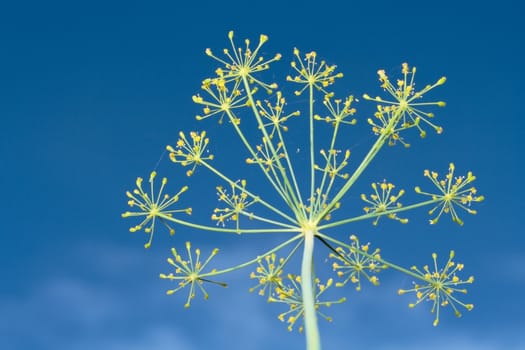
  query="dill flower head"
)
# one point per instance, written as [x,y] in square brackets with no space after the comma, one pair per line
[350,264]
[153,206]
[239,63]
[314,74]
[291,294]
[383,200]
[236,204]
[339,111]
[454,192]
[382,124]
[268,274]
[274,113]
[404,110]
[192,152]
[440,286]
[224,99]
[267,154]
[333,168]
[189,272]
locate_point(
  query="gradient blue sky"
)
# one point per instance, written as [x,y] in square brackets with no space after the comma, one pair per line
[90,94]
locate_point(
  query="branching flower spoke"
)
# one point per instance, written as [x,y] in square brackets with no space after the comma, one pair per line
[318,203]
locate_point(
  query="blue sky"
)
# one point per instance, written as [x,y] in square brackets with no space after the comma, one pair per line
[91,93]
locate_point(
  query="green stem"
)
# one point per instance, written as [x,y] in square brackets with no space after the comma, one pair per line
[376,214]
[273,250]
[293,201]
[326,192]
[237,186]
[312,150]
[275,183]
[313,339]
[371,256]
[292,172]
[252,216]
[221,229]
[364,164]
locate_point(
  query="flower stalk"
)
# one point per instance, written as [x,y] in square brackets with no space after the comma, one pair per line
[313,339]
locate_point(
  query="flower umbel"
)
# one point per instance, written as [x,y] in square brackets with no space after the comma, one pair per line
[405,112]
[189,272]
[338,112]
[236,204]
[381,202]
[356,261]
[187,153]
[292,295]
[332,168]
[274,113]
[268,275]
[313,74]
[225,99]
[384,116]
[439,287]
[242,64]
[153,206]
[265,155]
[454,192]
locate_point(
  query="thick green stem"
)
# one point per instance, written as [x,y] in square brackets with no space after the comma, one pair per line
[313,339]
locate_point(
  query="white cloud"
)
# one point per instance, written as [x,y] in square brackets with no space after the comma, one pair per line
[157,337]
[113,308]
[458,342]
[106,306]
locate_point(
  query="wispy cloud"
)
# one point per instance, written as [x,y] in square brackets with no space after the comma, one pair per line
[107,303]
